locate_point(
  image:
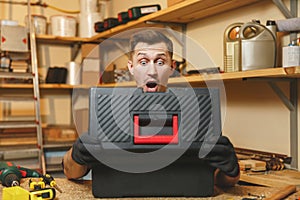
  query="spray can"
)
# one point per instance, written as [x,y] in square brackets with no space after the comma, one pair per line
[258,47]
[232,48]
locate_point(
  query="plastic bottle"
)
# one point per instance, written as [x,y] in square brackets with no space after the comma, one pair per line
[232,48]
[258,47]
[271,25]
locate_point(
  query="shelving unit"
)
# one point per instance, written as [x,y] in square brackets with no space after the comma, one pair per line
[26,133]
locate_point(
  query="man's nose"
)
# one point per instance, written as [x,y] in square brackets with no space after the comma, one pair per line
[152,69]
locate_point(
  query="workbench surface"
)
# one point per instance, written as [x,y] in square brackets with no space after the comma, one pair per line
[73,190]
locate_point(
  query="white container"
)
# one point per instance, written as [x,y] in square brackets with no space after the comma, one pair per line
[232,48]
[39,22]
[74,73]
[87,22]
[6,22]
[258,47]
[291,56]
[63,25]
[88,6]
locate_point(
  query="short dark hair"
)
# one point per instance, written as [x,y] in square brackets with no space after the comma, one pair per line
[150,37]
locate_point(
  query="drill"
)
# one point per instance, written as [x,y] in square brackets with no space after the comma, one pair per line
[10,174]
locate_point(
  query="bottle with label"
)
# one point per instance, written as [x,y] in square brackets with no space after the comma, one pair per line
[232,48]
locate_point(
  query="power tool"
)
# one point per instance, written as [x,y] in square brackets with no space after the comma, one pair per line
[10,174]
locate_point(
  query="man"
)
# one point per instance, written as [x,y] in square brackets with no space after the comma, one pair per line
[151,65]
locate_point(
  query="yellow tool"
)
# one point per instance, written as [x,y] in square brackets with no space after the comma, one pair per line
[36,185]
[18,193]
[49,180]
[41,183]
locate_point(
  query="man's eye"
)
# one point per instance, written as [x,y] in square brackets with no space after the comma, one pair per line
[160,62]
[143,62]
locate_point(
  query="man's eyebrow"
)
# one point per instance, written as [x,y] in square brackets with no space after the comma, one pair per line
[141,53]
[162,54]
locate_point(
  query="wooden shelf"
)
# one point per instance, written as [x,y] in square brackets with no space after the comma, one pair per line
[184,12]
[51,39]
[290,72]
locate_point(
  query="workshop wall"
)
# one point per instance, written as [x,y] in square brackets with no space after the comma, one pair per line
[255,116]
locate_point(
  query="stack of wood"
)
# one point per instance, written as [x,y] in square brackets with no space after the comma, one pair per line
[261,161]
[19,66]
[59,134]
[17,136]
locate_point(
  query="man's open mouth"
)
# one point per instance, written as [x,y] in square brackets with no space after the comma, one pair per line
[151,86]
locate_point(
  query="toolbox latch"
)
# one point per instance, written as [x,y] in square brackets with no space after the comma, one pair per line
[161,129]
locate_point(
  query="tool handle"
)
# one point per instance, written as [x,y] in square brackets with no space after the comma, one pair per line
[284,192]
[48,179]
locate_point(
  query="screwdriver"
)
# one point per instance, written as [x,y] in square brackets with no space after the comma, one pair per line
[49,180]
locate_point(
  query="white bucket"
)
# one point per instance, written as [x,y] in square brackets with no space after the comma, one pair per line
[39,22]
[63,25]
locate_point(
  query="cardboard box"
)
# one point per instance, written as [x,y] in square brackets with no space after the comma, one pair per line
[108,77]
[81,111]
[59,134]
[81,120]
[173,2]
[90,71]
[90,51]
[13,38]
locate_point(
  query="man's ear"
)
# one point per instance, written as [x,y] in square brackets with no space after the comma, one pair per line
[173,64]
[173,67]
[130,67]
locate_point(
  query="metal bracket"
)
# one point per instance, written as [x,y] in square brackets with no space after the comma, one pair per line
[75,48]
[293,12]
[292,104]
[282,7]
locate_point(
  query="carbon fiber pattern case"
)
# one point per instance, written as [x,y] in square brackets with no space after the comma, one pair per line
[112,110]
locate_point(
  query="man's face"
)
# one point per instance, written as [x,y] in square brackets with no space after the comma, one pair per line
[151,66]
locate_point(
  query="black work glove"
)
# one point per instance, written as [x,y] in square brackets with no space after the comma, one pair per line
[84,148]
[223,157]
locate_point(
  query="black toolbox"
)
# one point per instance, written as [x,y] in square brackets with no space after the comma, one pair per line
[150,142]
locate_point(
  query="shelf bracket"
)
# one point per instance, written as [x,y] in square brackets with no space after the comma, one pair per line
[292,13]
[292,104]
[75,48]
[282,7]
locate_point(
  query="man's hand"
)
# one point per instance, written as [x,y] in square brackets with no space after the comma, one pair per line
[223,157]
[84,149]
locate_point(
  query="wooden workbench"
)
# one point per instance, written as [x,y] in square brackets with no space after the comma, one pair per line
[73,190]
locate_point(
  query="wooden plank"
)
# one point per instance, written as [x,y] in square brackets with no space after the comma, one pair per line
[292,72]
[272,178]
[18,141]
